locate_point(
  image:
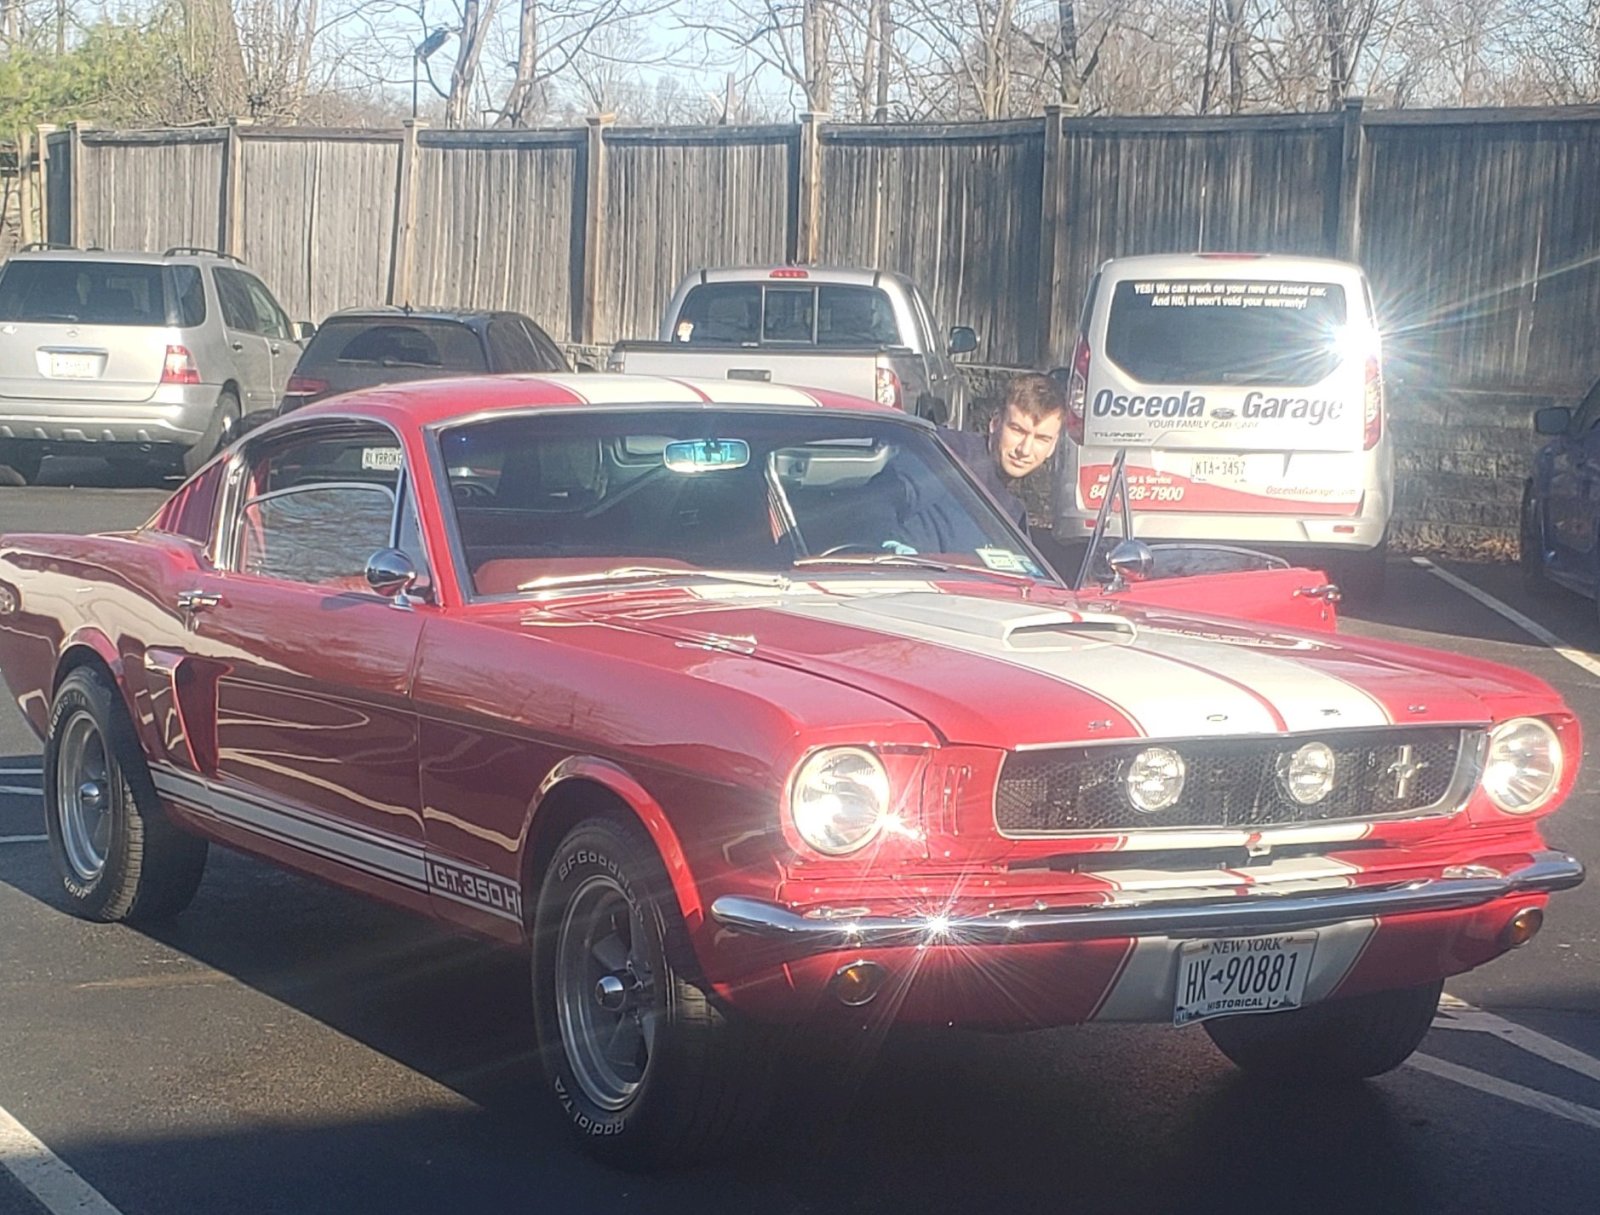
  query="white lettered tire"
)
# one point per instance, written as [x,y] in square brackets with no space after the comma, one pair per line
[118,856]
[1350,1039]
[647,1069]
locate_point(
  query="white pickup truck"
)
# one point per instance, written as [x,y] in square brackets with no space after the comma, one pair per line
[869,333]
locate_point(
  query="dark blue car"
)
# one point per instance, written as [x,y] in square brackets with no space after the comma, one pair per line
[1561,501]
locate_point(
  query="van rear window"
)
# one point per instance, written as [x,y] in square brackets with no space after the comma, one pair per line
[1219,331]
[86,293]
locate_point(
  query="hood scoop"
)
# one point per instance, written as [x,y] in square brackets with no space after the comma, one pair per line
[1012,626]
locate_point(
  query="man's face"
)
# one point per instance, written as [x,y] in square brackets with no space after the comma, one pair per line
[1022,443]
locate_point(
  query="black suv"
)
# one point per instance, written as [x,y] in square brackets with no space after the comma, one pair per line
[360,347]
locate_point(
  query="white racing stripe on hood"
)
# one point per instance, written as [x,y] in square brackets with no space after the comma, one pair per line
[1307,698]
[1165,699]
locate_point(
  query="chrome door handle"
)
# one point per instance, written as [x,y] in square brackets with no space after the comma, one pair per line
[194,601]
[1328,592]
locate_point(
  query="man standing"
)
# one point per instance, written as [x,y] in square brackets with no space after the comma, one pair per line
[1021,438]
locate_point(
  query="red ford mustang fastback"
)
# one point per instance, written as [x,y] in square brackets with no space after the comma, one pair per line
[738,709]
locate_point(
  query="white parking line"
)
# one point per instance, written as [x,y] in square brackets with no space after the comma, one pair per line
[1532,1098]
[45,1175]
[1526,623]
[1459,1015]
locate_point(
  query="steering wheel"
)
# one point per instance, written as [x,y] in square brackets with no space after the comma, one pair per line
[468,491]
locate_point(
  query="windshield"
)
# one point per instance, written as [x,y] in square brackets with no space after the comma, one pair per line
[563,497]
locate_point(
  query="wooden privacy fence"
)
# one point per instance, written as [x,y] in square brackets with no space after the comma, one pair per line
[1476,227]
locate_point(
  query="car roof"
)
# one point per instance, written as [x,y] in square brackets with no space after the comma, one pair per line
[1240,264]
[390,312]
[849,275]
[131,256]
[430,402]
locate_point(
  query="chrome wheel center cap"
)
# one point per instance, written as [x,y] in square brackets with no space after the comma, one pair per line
[92,794]
[611,993]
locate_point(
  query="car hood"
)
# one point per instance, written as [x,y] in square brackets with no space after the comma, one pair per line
[991,666]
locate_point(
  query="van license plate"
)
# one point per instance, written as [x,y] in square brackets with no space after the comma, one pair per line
[74,366]
[1241,975]
[1216,468]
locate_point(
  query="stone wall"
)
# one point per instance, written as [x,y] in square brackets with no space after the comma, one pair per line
[1460,461]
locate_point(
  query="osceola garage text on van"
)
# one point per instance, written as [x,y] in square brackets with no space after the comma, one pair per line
[1193,405]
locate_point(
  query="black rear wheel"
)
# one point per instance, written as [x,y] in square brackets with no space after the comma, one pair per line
[1530,543]
[24,459]
[218,434]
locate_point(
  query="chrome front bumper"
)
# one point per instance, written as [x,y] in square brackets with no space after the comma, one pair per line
[1460,887]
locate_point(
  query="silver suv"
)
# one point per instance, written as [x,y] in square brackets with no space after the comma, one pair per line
[133,356]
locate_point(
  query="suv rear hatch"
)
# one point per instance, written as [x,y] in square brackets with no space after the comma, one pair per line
[1232,393]
[354,352]
[76,330]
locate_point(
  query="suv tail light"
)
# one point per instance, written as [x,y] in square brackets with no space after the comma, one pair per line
[179,367]
[300,390]
[889,391]
[1374,406]
[1078,390]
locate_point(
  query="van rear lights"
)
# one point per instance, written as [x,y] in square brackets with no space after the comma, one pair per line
[858,983]
[1344,529]
[179,367]
[1522,927]
[790,272]
[1078,390]
[889,391]
[1374,406]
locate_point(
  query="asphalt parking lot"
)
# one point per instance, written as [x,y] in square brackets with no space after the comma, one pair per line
[284,1047]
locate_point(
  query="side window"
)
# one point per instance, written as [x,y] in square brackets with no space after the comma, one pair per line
[549,353]
[510,349]
[720,312]
[270,319]
[188,296]
[238,309]
[317,507]
[1588,413]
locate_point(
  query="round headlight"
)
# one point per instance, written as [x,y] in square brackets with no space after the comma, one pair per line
[1523,767]
[1307,775]
[1155,779]
[839,799]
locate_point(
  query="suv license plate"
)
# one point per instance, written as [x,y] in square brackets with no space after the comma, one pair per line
[75,366]
[1241,975]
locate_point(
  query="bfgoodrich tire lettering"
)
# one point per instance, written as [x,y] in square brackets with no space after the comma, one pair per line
[118,856]
[646,1068]
[1337,1040]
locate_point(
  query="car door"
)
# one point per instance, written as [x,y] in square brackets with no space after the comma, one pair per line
[1573,499]
[312,748]
[247,340]
[272,322]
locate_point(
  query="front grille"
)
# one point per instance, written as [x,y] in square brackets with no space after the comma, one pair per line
[1230,782]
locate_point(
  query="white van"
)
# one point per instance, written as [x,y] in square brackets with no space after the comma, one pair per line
[1248,392]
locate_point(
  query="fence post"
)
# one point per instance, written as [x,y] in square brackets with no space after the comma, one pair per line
[75,183]
[402,265]
[1052,203]
[594,226]
[1351,164]
[25,186]
[43,132]
[230,221]
[808,223]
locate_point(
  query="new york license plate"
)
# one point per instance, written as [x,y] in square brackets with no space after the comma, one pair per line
[1241,975]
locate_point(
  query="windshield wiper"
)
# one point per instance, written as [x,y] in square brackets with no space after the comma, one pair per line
[649,573]
[910,561]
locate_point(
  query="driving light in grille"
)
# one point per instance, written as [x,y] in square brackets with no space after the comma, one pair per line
[1523,767]
[1307,774]
[840,799]
[1155,779]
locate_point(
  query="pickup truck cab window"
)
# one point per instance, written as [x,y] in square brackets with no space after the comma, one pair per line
[788,314]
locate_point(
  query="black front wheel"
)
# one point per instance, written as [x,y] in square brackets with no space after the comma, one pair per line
[118,856]
[1349,1039]
[648,1070]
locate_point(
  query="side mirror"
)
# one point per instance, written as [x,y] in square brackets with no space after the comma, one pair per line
[304,331]
[1552,421]
[963,339]
[1131,561]
[390,573]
